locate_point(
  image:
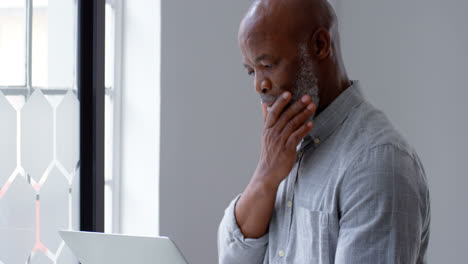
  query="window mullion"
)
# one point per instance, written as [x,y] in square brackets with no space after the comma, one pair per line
[29,23]
[117,102]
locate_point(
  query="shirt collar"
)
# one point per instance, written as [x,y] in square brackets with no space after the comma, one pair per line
[334,114]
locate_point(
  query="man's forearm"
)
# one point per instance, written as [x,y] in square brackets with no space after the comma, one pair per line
[254,209]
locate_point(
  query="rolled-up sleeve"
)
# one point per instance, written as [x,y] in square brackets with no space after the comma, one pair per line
[233,247]
[384,209]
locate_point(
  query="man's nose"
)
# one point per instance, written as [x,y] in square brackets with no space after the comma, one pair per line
[263,85]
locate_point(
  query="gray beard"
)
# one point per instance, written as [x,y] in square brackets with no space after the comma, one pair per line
[306,81]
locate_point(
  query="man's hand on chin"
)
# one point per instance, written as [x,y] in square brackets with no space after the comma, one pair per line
[283,130]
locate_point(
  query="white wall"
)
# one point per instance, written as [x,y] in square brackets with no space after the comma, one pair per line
[412,60]
[140,117]
[210,121]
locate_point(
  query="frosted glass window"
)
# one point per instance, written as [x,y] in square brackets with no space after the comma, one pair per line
[12,42]
[36,136]
[39,192]
[17,220]
[39,135]
[68,131]
[7,140]
[54,208]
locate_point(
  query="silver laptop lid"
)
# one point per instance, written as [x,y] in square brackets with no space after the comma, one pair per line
[100,248]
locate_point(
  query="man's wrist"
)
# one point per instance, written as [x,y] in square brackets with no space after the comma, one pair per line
[264,182]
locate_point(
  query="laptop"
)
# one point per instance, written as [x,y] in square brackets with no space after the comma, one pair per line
[100,248]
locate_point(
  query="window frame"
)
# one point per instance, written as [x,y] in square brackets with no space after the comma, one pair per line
[115,94]
[91,93]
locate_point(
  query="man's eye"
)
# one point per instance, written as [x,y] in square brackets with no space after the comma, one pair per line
[251,73]
[268,66]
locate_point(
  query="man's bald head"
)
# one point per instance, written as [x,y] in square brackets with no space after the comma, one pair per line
[297,19]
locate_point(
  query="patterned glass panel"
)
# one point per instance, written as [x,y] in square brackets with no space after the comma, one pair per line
[39,195]
[37,136]
[40,258]
[54,209]
[39,140]
[17,220]
[7,140]
[68,130]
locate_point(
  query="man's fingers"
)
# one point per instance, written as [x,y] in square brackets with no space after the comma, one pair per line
[265,112]
[277,108]
[292,111]
[298,120]
[296,137]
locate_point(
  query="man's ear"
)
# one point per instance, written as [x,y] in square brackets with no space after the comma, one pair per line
[320,44]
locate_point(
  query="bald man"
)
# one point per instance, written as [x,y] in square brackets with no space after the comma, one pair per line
[335,182]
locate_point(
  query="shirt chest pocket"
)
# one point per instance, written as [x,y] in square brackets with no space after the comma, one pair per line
[311,239]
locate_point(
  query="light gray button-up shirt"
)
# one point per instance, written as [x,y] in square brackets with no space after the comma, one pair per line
[356,194]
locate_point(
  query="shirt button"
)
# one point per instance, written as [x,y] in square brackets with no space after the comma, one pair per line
[281,253]
[317,141]
[289,204]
